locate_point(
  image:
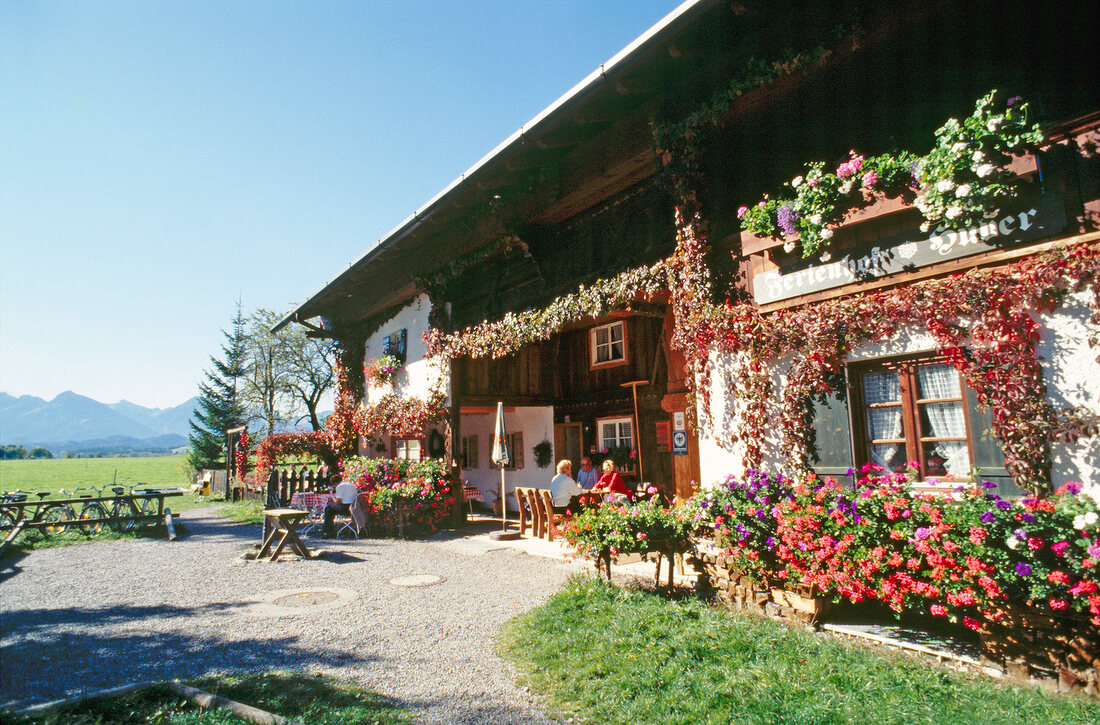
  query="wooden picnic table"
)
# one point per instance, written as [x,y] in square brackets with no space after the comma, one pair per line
[284,522]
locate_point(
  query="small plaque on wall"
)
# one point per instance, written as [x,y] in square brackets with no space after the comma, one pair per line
[664,435]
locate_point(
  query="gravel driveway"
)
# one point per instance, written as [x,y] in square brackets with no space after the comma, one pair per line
[110,613]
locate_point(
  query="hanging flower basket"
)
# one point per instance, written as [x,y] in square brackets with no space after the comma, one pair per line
[381,370]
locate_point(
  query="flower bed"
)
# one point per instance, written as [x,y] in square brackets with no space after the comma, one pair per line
[970,556]
[400,493]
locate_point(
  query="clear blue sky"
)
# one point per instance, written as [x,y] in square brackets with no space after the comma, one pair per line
[160,159]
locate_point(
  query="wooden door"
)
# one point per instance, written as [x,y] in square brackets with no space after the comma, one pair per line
[568,444]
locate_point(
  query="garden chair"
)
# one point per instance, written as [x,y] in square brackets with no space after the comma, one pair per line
[552,519]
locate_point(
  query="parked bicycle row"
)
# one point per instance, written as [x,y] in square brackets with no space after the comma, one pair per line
[89,509]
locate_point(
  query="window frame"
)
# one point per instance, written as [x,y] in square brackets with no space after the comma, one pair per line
[593,346]
[600,422]
[470,452]
[913,436]
[399,443]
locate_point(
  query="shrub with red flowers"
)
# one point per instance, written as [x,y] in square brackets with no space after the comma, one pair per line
[642,527]
[242,455]
[418,491]
[741,512]
[963,555]
[381,370]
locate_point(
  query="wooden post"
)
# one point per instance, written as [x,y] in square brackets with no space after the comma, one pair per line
[633,385]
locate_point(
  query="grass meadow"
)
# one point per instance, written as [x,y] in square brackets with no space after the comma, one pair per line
[52,474]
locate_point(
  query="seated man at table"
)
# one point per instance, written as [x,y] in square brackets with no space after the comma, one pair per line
[345,494]
[562,486]
[587,476]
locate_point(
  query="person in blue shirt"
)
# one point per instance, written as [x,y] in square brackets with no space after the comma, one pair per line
[588,475]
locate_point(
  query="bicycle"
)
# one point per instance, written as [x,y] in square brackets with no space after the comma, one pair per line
[120,511]
[58,516]
[89,511]
[10,514]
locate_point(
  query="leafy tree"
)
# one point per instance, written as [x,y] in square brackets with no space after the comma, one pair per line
[13,452]
[267,386]
[40,452]
[220,406]
[310,373]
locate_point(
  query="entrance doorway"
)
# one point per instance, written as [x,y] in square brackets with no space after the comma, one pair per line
[568,444]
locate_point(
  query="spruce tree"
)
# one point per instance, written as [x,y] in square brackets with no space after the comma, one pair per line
[220,407]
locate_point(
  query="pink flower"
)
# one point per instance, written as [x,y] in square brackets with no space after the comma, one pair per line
[870,179]
[972,623]
[1058,603]
[741,211]
[1034,543]
[937,610]
[641,536]
[1060,548]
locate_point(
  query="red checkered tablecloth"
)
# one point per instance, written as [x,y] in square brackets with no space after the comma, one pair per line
[472,493]
[308,500]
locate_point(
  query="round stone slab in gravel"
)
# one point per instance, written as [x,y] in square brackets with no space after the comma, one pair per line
[105,614]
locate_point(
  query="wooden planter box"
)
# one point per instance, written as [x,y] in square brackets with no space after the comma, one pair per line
[1059,649]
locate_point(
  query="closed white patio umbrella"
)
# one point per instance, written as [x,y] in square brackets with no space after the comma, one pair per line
[502,457]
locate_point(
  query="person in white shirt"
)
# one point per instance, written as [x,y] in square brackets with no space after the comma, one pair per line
[587,476]
[562,486]
[345,494]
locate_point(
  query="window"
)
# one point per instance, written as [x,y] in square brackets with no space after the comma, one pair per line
[608,344]
[615,432]
[408,449]
[515,447]
[394,344]
[913,411]
[469,452]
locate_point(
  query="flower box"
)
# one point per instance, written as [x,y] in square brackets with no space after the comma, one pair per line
[1058,648]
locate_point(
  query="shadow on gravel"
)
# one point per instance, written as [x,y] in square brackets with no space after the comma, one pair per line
[68,649]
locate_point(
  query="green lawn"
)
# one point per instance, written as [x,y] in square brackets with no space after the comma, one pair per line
[69,473]
[621,656]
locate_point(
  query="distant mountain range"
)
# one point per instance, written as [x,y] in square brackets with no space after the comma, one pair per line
[77,424]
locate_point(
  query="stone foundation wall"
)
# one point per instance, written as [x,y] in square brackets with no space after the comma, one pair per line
[1059,651]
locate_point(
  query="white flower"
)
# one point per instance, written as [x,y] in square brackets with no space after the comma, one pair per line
[954,212]
[994,123]
[959,146]
[926,227]
[945,185]
[1012,542]
[1091,518]
[815,219]
[845,187]
[978,157]
[796,182]
[984,170]
[826,233]
[788,246]
[962,191]
[826,256]
[1079,521]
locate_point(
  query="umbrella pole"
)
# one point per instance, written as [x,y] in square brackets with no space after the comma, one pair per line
[503,503]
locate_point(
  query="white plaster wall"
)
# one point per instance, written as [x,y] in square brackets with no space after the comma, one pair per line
[536,424]
[1073,378]
[419,373]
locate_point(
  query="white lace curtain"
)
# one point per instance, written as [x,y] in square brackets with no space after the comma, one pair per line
[944,420]
[885,422]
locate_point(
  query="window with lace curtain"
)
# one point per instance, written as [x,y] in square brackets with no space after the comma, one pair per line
[912,411]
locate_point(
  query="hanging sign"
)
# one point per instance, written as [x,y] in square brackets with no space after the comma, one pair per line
[1039,217]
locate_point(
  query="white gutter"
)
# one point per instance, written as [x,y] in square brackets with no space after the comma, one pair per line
[421,215]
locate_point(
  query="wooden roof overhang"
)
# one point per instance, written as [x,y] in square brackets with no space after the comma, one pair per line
[594,142]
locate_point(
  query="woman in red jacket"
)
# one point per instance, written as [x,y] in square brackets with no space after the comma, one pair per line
[611,481]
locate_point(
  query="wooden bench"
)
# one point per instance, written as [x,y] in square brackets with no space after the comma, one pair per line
[527,502]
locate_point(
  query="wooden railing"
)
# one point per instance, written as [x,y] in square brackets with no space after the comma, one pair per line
[284,483]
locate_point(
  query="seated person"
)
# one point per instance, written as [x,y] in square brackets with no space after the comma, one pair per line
[562,487]
[587,476]
[611,481]
[345,494]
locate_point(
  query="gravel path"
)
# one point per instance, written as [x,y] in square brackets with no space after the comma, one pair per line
[111,613]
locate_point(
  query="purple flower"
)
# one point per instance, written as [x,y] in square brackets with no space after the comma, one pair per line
[1027,518]
[786,217]
[1002,504]
[1073,487]
[1020,534]
[988,484]
[770,542]
[987,517]
[1023,569]
[921,533]
[1013,101]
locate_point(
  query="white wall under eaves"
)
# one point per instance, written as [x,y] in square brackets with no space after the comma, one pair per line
[419,374]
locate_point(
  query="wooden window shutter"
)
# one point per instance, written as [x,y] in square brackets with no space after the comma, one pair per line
[517,449]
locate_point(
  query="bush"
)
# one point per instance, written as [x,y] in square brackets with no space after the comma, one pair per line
[643,527]
[422,488]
